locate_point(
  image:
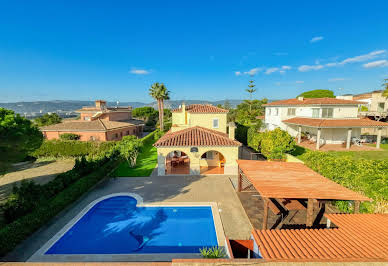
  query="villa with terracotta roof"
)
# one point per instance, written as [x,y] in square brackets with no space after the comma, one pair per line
[324,120]
[199,142]
[99,122]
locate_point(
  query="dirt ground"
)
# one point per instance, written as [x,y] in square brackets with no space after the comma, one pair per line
[41,172]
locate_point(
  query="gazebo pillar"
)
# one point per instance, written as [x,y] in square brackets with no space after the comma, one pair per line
[299,134]
[349,137]
[310,212]
[318,139]
[378,142]
[265,213]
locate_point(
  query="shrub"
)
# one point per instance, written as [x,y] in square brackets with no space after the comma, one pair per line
[69,136]
[369,177]
[272,144]
[213,252]
[241,133]
[129,148]
[158,134]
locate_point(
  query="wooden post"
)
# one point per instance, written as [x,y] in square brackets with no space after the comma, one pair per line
[378,142]
[348,138]
[356,206]
[310,211]
[299,134]
[239,184]
[318,139]
[265,213]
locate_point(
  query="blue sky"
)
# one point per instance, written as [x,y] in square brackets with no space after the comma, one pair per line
[208,50]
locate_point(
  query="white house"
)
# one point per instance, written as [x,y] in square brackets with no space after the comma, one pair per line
[329,120]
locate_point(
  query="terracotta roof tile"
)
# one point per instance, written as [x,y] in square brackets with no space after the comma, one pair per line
[314,101]
[202,108]
[330,123]
[359,237]
[195,136]
[95,125]
[293,181]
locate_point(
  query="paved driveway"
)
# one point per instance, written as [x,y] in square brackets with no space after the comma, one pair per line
[154,189]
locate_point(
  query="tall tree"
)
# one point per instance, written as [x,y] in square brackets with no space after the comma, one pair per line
[251,89]
[385,85]
[159,92]
[18,136]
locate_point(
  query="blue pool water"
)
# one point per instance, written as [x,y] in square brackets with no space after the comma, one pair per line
[116,226]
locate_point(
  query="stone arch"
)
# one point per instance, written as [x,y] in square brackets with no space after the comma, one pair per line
[212,162]
[177,162]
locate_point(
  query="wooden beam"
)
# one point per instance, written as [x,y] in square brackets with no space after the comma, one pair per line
[310,211]
[265,212]
[356,206]
[239,186]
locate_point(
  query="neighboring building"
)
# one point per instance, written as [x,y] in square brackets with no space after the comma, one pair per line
[376,103]
[99,122]
[328,120]
[198,142]
[377,106]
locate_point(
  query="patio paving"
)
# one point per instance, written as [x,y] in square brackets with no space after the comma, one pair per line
[153,189]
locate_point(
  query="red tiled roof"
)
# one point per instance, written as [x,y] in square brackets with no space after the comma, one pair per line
[201,108]
[95,125]
[314,101]
[196,136]
[330,123]
[359,237]
[293,181]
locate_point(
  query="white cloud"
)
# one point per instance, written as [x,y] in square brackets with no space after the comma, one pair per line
[299,82]
[331,64]
[362,58]
[253,71]
[305,68]
[282,71]
[335,79]
[238,73]
[271,70]
[378,63]
[316,39]
[139,71]
[286,67]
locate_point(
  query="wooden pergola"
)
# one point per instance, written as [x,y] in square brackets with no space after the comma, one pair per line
[292,183]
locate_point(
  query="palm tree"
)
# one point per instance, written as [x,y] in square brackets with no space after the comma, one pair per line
[385,85]
[159,92]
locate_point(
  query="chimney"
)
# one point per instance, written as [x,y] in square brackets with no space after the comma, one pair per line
[100,104]
[300,98]
[183,107]
[232,128]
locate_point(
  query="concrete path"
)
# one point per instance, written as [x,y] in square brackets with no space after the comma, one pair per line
[153,189]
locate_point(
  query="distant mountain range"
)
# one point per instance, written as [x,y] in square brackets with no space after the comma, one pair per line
[59,106]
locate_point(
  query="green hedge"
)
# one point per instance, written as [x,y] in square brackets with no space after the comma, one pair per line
[369,177]
[12,234]
[241,133]
[73,148]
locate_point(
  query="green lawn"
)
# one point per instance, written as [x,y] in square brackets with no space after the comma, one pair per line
[371,155]
[146,163]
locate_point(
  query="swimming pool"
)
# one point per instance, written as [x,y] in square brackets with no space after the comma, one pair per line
[116,225]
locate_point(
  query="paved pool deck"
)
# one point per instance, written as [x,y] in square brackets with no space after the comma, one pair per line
[153,190]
